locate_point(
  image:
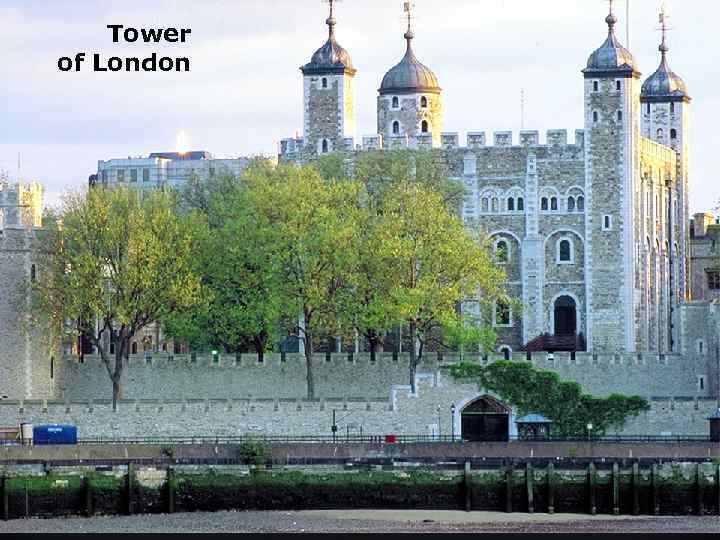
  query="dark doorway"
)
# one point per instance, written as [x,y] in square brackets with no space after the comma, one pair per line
[565,316]
[485,419]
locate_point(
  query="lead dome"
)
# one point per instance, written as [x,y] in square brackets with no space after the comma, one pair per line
[410,75]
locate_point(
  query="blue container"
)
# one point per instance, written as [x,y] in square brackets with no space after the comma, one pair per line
[54,434]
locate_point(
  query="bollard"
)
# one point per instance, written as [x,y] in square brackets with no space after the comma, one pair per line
[655,490]
[170,491]
[591,488]
[636,488]
[508,489]
[551,488]
[468,488]
[616,488]
[529,487]
[88,497]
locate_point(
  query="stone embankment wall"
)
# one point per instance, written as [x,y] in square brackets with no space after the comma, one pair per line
[426,412]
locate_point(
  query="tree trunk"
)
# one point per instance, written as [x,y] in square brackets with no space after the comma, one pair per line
[309,357]
[413,356]
[120,349]
[117,394]
[260,342]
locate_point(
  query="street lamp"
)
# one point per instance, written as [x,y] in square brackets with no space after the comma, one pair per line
[589,429]
[452,418]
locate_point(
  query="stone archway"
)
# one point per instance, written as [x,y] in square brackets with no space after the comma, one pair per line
[485,419]
[565,316]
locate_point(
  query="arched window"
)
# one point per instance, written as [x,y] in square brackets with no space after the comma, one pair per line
[672,108]
[544,204]
[495,205]
[325,146]
[324,83]
[660,133]
[596,117]
[424,126]
[565,251]
[553,203]
[485,205]
[673,134]
[521,204]
[423,102]
[396,102]
[571,204]
[502,252]
[506,352]
[619,116]
[581,203]
[511,204]
[396,128]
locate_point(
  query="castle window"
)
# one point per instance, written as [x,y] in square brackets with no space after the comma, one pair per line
[485,205]
[502,314]
[673,134]
[596,86]
[571,204]
[396,128]
[424,127]
[324,83]
[325,146]
[511,204]
[607,223]
[502,252]
[396,102]
[564,251]
[619,116]
[672,108]
[52,367]
[660,133]
[647,108]
[495,205]
[544,204]
[553,203]
[506,352]
[423,102]
[521,204]
[581,203]
[596,117]
[701,382]
[618,85]
[146,175]
[713,279]
[700,346]
[33,273]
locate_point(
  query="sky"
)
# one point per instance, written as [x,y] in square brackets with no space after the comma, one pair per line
[244,91]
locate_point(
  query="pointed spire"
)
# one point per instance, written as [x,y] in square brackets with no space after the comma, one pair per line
[664,29]
[331,22]
[409,35]
[611,19]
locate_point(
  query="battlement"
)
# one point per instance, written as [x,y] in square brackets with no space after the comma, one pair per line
[290,148]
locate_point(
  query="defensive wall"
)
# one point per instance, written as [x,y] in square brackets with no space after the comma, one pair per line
[426,412]
[178,377]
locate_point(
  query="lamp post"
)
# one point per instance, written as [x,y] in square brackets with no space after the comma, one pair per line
[589,430]
[452,420]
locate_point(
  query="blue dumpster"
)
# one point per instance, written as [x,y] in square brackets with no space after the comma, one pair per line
[54,434]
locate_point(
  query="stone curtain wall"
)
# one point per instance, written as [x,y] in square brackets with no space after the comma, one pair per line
[425,413]
[180,378]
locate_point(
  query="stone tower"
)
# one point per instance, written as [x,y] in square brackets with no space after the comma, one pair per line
[410,100]
[329,102]
[612,133]
[666,120]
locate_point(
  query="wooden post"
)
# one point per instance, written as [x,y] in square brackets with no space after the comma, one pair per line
[130,489]
[591,488]
[5,498]
[529,487]
[468,487]
[699,489]
[636,488]
[655,490]
[88,496]
[508,489]
[27,498]
[170,491]
[616,488]
[717,488]
[551,488]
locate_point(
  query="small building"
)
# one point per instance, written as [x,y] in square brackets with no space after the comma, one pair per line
[533,427]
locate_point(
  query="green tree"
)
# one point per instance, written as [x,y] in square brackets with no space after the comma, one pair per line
[534,390]
[426,263]
[309,226]
[115,263]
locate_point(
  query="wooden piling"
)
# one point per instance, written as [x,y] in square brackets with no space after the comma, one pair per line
[467,487]
[591,489]
[655,481]
[636,489]
[130,488]
[616,488]
[508,489]
[551,488]
[170,491]
[529,487]
[699,489]
[5,498]
[717,488]
[88,496]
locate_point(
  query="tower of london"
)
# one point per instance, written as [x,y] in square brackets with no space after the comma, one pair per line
[592,232]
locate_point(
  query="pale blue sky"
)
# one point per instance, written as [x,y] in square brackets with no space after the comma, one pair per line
[244,92]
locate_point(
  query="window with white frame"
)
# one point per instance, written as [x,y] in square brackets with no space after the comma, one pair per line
[565,252]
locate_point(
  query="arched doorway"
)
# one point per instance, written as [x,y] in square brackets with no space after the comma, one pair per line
[485,419]
[565,316]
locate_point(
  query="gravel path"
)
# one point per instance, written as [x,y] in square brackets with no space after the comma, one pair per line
[361,521]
